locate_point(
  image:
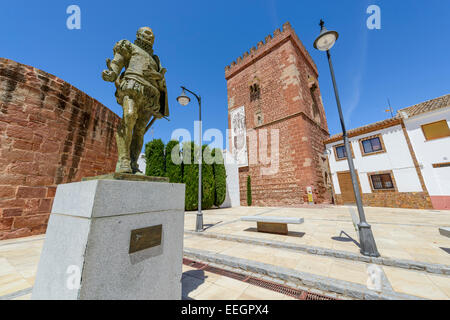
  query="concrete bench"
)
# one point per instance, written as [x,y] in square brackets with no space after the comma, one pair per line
[445,231]
[276,225]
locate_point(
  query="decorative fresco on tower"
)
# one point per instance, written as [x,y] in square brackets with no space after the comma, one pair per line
[239,136]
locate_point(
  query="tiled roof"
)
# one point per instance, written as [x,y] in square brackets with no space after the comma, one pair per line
[427,106]
[367,128]
[414,110]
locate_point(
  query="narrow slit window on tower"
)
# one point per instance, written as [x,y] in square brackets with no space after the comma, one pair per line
[254,92]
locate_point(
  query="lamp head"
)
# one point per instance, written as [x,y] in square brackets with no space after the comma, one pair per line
[326,39]
[183,99]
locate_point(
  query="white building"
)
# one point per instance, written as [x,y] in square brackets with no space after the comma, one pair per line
[400,162]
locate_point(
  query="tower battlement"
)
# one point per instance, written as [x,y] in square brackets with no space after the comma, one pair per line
[264,47]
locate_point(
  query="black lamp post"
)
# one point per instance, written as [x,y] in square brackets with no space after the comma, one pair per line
[184,100]
[324,42]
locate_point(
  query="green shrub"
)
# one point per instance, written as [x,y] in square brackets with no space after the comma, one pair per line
[220,178]
[208,188]
[249,191]
[173,170]
[154,155]
[190,176]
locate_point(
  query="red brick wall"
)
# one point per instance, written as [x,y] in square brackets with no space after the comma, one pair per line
[50,133]
[285,72]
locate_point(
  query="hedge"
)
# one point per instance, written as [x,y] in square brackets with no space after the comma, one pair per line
[154,155]
[190,176]
[161,163]
[220,178]
[173,171]
[208,188]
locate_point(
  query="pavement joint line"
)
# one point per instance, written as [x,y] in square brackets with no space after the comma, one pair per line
[16,294]
[434,268]
[345,288]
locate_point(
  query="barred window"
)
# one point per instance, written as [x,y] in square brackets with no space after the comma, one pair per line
[382,181]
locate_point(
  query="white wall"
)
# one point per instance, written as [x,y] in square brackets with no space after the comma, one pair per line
[437,180]
[233,197]
[396,158]
[142,162]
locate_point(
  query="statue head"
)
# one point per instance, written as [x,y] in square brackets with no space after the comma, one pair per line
[145,34]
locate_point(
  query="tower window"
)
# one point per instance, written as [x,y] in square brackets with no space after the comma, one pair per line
[254,92]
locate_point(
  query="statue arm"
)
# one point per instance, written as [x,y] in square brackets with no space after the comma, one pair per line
[121,56]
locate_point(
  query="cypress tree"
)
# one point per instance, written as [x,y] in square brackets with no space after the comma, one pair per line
[173,156]
[155,161]
[190,176]
[208,188]
[220,178]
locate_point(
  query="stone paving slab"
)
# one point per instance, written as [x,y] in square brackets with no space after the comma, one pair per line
[399,263]
[354,272]
[286,275]
[405,234]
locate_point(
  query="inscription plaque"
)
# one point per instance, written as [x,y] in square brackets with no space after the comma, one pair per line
[145,238]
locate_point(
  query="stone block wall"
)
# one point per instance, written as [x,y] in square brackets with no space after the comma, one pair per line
[50,133]
[407,200]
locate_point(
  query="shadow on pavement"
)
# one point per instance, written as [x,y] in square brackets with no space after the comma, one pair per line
[190,281]
[347,238]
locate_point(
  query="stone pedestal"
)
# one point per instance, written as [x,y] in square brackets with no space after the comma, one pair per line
[113,239]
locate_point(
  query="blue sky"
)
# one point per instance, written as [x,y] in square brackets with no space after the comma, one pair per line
[406,61]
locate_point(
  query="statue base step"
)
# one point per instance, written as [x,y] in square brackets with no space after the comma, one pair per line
[127,176]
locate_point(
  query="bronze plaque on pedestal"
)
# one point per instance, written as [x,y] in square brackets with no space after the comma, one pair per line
[145,238]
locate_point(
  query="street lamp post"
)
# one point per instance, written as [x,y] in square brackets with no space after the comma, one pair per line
[324,42]
[184,100]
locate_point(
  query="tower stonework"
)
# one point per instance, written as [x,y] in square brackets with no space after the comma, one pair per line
[276,84]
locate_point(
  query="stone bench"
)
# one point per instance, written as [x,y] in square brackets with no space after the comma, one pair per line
[276,225]
[445,231]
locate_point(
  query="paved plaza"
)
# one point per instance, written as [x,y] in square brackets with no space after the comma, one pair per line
[415,258]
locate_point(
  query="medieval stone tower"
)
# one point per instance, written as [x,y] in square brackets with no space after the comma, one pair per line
[273,89]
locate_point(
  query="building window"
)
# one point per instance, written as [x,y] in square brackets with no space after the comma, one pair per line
[372,145]
[382,181]
[340,152]
[259,119]
[255,91]
[436,130]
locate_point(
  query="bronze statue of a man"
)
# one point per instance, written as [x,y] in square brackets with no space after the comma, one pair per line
[141,91]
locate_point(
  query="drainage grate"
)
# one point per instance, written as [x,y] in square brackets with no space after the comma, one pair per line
[295,293]
[194,264]
[188,262]
[275,287]
[226,273]
[315,296]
